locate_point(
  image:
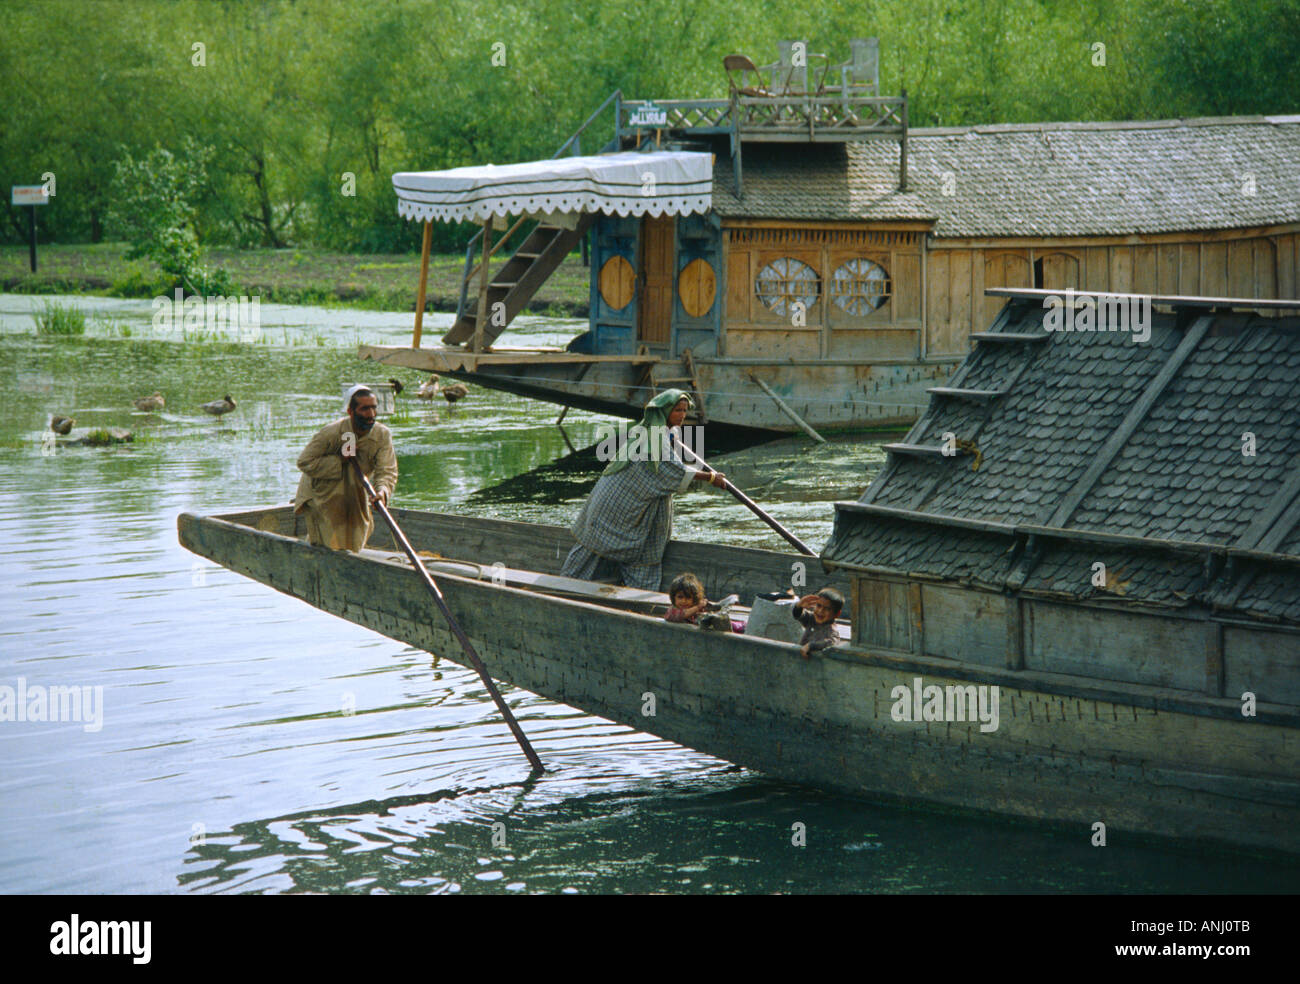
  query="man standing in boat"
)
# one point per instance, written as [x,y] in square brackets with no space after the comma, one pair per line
[336,507]
[628,519]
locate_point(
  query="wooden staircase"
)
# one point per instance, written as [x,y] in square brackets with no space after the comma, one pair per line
[515,283]
[661,381]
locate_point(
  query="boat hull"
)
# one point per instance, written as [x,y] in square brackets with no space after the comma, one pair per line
[1069,751]
[829,395]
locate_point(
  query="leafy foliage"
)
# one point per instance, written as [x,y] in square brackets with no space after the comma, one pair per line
[151,207]
[286,99]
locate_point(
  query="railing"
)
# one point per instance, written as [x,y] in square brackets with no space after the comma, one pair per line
[835,114]
[575,141]
[783,116]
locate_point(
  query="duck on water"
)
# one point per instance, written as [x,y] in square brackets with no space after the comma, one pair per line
[218,407]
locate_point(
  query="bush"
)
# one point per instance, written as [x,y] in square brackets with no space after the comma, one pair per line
[60,319]
[153,209]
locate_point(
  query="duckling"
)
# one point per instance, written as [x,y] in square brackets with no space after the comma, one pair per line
[397,387]
[62,425]
[455,392]
[429,390]
[151,403]
[218,407]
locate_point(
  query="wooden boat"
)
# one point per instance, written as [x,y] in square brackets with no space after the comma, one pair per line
[1067,749]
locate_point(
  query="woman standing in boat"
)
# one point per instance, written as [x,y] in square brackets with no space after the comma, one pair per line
[627,521]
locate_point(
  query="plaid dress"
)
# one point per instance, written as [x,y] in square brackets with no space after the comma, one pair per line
[628,520]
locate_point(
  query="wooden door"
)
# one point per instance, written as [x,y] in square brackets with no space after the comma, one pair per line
[1002,270]
[1060,271]
[655,312]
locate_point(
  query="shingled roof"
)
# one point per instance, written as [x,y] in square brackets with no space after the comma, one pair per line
[1042,179]
[1086,447]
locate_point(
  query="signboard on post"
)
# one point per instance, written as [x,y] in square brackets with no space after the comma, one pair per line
[31,196]
[648,114]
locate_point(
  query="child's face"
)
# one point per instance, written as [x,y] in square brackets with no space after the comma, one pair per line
[683,600]
[821,611]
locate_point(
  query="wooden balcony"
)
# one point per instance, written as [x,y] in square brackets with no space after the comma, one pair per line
[787,118]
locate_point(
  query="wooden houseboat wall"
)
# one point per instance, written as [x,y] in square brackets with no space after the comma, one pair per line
[1263,263]
[854,353]
[935,297]
[890,236]
[1197,654]
[655,285]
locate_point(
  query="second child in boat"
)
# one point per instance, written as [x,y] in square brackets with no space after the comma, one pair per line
[817,614]
[687,595]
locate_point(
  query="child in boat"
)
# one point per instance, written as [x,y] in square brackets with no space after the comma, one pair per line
[687,595]
[817,614]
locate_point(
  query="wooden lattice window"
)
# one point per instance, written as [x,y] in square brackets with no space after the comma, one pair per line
[787,281]
[860,286]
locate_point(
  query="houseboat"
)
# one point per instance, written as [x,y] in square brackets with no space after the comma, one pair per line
[801,259]
[1074,595]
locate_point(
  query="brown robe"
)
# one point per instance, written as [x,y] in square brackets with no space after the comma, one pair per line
[337,511]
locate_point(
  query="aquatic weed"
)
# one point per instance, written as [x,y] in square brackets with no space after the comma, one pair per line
[112,327]
[60,319]
[101,438]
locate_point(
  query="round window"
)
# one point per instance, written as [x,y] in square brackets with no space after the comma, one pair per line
[696,286]
[617,282]
[860,287]
[785,282]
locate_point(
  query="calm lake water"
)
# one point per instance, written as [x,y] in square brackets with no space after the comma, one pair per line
[225,761]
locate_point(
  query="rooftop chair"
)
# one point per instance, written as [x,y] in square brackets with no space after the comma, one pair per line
[789,79]
[860,75]
[739,70]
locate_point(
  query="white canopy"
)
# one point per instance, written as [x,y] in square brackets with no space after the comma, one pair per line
[660,183]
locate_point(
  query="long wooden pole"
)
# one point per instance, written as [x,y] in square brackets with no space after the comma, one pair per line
[424,283]
[753,506]
[785,409]
[457,631]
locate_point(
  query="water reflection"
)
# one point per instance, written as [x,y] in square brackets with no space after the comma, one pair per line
[725,830]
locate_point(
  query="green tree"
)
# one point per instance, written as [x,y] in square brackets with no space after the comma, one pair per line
[151,207]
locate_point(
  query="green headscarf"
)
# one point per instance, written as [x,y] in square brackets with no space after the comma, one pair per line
[653,425]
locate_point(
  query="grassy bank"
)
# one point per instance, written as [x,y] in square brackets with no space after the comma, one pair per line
[379,282]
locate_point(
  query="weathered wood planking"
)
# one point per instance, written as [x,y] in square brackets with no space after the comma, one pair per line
[1247,263]
[825,721]
[883,618]
[849,393]
[1178,650]
[537,547]
[1163,652]
[1266,664]
[970,626]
